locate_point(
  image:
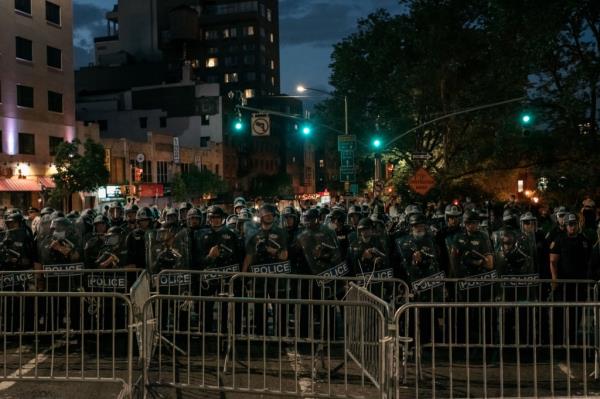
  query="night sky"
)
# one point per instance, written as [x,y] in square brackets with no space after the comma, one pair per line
[308,29]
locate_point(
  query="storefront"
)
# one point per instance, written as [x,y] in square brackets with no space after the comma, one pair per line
[20,193]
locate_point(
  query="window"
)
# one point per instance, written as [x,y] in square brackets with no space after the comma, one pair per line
[269,15]
[24,49]
[103,125]
[229,32]
[273,80]
[204,141]
[53,143]
[249,93]
[23,5]
[262,32]
[163,121]
[272,64]
[24,96]
[249,30]
[212,62]
[321,163]
[271,38]
[205,120]
[143,122]
[251,76]
[53,13]
[231,77]
[26,144]
[53,57]
[161,171]
[212,50]
[185,168]
[1,149]
[211,35]
[249,59]
[55,102]
[146,171]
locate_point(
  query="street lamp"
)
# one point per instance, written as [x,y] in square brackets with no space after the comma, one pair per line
[303,89]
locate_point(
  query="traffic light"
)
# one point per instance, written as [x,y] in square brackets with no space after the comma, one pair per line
[238,124]
[376,143]
[526,119]
[306,129]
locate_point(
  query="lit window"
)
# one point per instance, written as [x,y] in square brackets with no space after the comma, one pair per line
[271,38]
[212,62]
[269,16]
[272,64]
[249,93]
[249,30]
[273,80]
[321,163]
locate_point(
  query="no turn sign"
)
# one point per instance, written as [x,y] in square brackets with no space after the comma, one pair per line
[261,125]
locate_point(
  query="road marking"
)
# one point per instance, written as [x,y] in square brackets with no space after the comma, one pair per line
[26,368]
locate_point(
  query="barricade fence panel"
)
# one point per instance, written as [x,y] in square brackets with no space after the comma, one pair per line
[87,337]
[497,349]
[266,346]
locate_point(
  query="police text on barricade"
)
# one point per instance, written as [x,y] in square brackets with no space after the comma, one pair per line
[272,268]
[337,271]
[479,280]
[218,272]
[428,283]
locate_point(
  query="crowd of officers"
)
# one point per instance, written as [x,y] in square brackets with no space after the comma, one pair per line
[358,241]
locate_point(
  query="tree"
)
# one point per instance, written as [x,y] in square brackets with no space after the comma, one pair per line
[440,57]
[196,183]
[80,167]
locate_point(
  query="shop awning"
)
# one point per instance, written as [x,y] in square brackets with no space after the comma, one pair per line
[47,182]
[19,185]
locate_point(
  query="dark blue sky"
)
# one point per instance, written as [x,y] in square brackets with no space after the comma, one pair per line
[308,29]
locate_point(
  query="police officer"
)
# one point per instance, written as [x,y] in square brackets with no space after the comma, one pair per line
[445,236]
[569,259]
[420,260]
[238,205]
[367,253]
[533,240]
[62,245]
[267,246]
[184,208]
[471,248]
[92,247]
[113,253]
[509,225]
[559,225]
[163,252]
[595,257]
[354,216]
[341,229]
[290,223]
[17,249]
[136,240]
[419,254]
[130,215]
[193,225]
[219,249]
[115,214]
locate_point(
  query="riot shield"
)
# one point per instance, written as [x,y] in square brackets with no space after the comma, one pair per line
[165,250]
[321,250]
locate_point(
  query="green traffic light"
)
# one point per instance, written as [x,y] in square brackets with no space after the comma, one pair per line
[238,125]
[526,119]
[376,143]
[306,130]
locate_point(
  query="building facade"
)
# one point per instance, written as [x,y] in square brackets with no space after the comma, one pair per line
[37,97]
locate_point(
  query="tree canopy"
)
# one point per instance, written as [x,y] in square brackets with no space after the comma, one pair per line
[439,57]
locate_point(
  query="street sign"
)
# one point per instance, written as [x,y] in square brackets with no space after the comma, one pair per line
[346,154]
[261,125]
[420,156]
[346,142]
[347,162]
[176,157]
[421,182]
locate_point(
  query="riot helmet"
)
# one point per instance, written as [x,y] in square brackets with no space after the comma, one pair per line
[115,212]
[528,223]
[101,224]
[46,211]
[289,217]
[215,216]
[365,229]
[571,223]
[238,204]
[267,213]
[231,222]
[194,218]
[171,216]
[59,228]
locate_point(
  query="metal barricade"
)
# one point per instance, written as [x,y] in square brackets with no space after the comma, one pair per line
[506,349]
[75,349]
[311,362]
